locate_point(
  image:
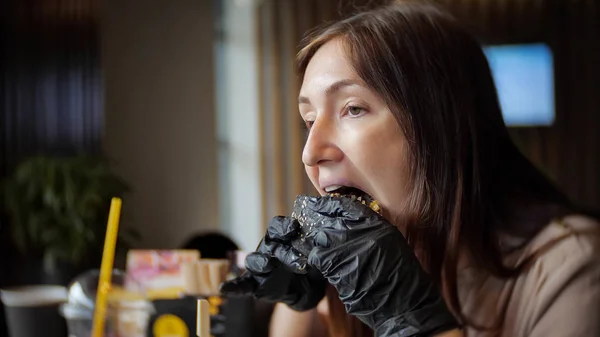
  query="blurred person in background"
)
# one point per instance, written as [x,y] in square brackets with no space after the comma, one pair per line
[211,245]
[473,240]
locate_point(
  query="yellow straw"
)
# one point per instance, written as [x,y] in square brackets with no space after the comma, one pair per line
[108,257]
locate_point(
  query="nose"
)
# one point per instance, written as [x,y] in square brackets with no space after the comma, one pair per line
[320,146]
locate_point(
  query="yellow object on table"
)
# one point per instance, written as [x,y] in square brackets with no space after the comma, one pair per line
[108,257]
[203,319]
[214,303]
[169,325]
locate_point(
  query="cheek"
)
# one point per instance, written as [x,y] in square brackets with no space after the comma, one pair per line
[386,166]
[381,150]
[397,183]
[385,158]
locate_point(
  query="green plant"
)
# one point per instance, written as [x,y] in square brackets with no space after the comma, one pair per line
[58,206]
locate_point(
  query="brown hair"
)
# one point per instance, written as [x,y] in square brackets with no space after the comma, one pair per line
[469,181]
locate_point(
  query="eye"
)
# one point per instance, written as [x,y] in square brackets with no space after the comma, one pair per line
[355,111]
[308,124]
[307,119]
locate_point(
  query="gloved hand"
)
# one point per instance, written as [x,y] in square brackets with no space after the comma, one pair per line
[278,273]
[369,262]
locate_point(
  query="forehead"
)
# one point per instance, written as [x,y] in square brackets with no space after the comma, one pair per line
[329,64]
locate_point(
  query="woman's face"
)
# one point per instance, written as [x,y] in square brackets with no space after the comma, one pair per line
[353,140]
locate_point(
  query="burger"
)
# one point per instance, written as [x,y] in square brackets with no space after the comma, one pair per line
[358,195]
[304,243]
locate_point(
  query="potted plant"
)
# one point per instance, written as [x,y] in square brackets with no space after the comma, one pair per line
[58,208]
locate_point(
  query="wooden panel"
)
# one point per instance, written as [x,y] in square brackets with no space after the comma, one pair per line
[277,113]
[291,36]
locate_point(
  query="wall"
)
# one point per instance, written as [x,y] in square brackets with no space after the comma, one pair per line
[157,58]
[239,124]
[569,150]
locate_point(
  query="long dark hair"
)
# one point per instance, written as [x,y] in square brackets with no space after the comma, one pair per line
[469,181]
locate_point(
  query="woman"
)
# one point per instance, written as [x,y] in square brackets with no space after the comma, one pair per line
[473,240]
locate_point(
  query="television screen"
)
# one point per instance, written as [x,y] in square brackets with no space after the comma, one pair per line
[524,78]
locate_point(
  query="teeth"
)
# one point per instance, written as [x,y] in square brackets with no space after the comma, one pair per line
[329,189]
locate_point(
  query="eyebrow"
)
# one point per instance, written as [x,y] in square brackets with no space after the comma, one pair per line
[332,89]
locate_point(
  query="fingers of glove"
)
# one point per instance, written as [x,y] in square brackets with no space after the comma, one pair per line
[260,263]
[324,231]
[314,291]
[281,256]
[345,262]
[269,247]
[323,260]
[274,287]
[329,238]
[282,229]
[290,258]
[243,285]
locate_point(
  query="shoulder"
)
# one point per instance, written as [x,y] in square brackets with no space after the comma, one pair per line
[570,243]
[561,281]
[557,292]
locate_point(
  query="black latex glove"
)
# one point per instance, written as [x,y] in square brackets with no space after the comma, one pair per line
[369,262]
[278,273]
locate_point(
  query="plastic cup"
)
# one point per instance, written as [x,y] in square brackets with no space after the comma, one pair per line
[128,311]
[131,321]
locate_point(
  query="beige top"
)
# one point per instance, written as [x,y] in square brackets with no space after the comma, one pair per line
[557,296]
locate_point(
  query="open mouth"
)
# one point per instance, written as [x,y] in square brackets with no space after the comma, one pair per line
[354,194]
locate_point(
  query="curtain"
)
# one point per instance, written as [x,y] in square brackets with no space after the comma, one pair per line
[50,88]
[51,81]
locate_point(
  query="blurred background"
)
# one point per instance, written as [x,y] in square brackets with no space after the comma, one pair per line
[188,110]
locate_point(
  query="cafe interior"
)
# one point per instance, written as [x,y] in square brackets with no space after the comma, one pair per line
[180,118]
